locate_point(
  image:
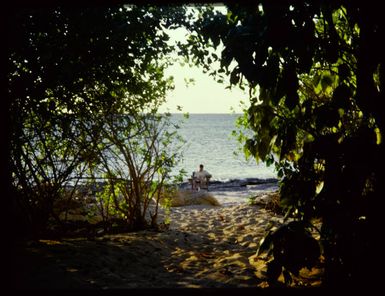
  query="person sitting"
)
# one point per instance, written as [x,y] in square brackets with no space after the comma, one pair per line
[200,179]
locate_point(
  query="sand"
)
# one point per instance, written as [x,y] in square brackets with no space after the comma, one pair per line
[205,246]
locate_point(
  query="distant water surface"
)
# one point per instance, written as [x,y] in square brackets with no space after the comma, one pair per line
[209,142]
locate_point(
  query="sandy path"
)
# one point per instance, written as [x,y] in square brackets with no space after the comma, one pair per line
[206,246]
[219,243]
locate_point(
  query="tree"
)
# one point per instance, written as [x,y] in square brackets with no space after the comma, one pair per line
[66,67]
[315,72]
[135,157]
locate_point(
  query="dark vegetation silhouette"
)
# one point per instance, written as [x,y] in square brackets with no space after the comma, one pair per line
[85,85]
[315,75]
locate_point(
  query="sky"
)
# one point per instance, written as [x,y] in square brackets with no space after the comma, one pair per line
[205,95]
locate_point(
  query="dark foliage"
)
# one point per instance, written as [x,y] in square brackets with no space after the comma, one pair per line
[314,70]
[69,71]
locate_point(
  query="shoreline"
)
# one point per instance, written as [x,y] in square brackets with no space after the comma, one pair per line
[236,182]
[237,191]
[214,184]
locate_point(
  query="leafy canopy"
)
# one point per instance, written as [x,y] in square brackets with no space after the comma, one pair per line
[72,73]
[315,74]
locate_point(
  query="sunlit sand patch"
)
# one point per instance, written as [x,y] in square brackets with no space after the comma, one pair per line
[189,197]
[206,245]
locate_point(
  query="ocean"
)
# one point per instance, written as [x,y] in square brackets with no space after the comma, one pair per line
[209,142]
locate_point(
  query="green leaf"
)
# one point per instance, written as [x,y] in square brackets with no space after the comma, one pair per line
[326,81]
[269,160]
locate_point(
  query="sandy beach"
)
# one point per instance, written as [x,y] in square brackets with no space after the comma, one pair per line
[205,246]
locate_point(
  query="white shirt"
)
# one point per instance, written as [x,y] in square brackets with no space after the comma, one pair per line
[202,174]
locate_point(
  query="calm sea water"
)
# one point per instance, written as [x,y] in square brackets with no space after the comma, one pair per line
[209,142]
